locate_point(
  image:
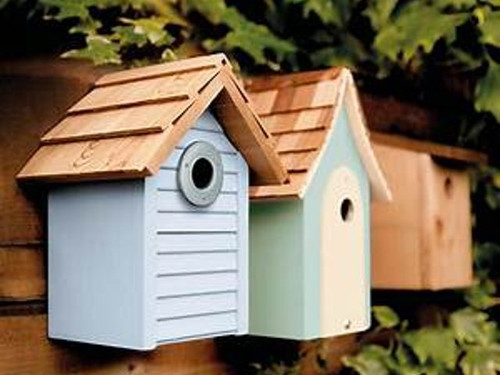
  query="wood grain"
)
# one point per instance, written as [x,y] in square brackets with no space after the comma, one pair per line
[434,149]
[422,239]
[127,126]
[25,349]
[25,117]
[22,273]
[151,118]
[166,69]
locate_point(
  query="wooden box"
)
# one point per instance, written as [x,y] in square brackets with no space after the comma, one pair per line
[422,240]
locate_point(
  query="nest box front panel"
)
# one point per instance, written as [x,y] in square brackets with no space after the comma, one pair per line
[337,226]
[200,227]
[343,274]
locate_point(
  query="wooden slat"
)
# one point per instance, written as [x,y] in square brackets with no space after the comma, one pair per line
[22,273]
[112,158]
[270,82]
[159,70]
[303,120]
[150,118]
[169,88]
[25,349]
[300,141]
[263,101]
[299,161]
[434,149]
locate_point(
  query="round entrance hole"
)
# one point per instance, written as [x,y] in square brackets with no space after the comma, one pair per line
[202,173]
[346,210]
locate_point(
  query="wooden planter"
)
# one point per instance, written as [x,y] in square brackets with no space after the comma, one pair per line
[422,240]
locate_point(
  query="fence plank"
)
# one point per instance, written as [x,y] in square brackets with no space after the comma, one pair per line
[24,349]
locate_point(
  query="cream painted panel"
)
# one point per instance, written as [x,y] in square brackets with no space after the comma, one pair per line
[344,281]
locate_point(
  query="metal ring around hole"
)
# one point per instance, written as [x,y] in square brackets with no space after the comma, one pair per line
[193,153]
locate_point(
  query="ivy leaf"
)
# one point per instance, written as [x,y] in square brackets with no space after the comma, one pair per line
[490,29]
[481,360]
[379,12]
[126,36]
[433,346]
[252,38]
[488,91]
[153,28]
[481,294]
[212,10]
[69,8]
[371,360]
[328,11]
[385,316]
[405,34]
[455,4]
[472,327]
[99,49]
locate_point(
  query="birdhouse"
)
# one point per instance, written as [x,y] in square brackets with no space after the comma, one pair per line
[422,240]
[148,206]
[310,237]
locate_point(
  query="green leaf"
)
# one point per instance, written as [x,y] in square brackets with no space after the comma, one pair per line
[455,4]
[329,12]
[99,49]
[385,316]
[488,91]
[405,34]
[490,29]
[153,28]
[472,327]
[433,346]
[371,360]
[481,360]
[126,36]
[212,10]
[379,12]
[69,8]
[252,38]
[481,294]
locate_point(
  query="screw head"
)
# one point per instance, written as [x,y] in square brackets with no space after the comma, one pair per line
[347,324]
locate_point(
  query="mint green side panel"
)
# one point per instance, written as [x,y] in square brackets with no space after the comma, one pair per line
[276,269]
[341,151]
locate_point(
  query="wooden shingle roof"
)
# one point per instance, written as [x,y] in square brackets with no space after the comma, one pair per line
[299,110]
[131,121]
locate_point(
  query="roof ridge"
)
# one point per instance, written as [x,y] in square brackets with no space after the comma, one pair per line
[165,69]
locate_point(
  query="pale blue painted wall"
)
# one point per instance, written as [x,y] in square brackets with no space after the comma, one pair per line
[97,263]
[132,264]
[341,151]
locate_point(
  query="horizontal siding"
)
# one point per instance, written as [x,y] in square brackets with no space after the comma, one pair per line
[196,242]
[174,201]
[196,326]
[196,283]
[194,305]
[197,248]
[169,222]
[167,180]
[171,264]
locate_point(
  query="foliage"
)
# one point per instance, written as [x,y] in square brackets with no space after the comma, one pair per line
[144,31]
[467,345]
[456,39]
